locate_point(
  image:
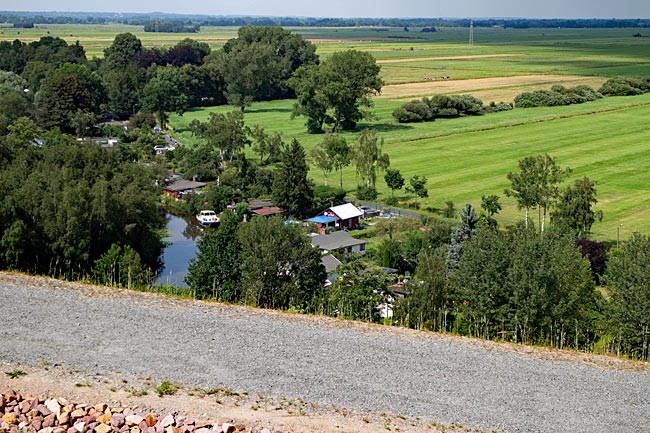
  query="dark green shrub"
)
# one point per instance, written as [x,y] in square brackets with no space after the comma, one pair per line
[366,193]
[625,86]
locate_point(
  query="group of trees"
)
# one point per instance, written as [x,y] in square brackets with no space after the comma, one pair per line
[626,86]
[262,63]
[68,204]
[557,95]
[264,262]
[537,185]
[335,91]
[442,106]
[171,27]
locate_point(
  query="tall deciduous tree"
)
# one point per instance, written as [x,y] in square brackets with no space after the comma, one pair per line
[428,300]
[417,186]
[369,157]
[340,86]
[550,175]
[574,208]
[215,271]
[125,49]
[340,152]
[627,279]
[280,269]
[269,145]
[524,187]
[291,187]
[257,64]
[321,159]
[164,93]
[308,83]
[536,184]
[505,292]
[226,133]
[69,89]
[394,180]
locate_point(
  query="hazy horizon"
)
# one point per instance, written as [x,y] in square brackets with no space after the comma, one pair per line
[623,9]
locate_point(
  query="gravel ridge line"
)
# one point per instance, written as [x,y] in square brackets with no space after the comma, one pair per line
[435,377]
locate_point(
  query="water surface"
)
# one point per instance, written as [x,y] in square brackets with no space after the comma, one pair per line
[181,248]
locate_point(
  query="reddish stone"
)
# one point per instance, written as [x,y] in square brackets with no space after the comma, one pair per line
[49,420]
[43,410]
[117,420]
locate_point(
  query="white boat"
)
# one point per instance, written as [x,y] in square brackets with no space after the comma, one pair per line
[207,218]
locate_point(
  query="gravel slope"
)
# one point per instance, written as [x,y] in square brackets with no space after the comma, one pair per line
[356,366]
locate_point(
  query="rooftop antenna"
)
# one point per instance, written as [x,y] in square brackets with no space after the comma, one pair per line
[471,33]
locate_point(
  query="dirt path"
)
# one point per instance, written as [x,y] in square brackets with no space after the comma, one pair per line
[299,373]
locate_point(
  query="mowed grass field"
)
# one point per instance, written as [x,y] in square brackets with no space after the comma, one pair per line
[466,158]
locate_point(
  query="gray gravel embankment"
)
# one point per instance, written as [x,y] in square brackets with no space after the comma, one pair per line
[356,366]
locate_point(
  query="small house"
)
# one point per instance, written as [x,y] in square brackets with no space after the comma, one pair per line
[347,216]
[331,263]
[179,188]
[339,242]
[266,208]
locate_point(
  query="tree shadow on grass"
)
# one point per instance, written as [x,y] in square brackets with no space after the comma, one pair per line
[382,127]
[268,110]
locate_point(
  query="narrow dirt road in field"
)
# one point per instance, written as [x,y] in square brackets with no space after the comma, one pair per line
[326,365]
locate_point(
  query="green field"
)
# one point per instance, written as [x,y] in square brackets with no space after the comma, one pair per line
[565,51]
[466,158]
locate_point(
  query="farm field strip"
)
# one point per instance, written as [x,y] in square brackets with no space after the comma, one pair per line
[466,57]
[516,84]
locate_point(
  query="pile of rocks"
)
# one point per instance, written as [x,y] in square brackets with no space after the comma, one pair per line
[58,415]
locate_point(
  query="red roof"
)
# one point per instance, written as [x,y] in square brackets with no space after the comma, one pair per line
[267,211]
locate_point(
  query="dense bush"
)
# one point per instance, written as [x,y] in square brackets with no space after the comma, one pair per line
[496,107]
[625,86]
[556,96]
[366,193]
[428,109]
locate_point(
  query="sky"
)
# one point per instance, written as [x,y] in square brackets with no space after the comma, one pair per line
[354,8]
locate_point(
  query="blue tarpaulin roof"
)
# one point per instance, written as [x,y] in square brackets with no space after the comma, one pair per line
[322,219]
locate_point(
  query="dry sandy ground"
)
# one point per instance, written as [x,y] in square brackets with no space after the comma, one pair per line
[488,89]
[257,411]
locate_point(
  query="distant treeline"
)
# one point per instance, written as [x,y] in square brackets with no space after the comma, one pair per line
[17,19]
[170,27]
[175,20]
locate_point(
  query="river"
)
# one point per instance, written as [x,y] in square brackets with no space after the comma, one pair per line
[181,248]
